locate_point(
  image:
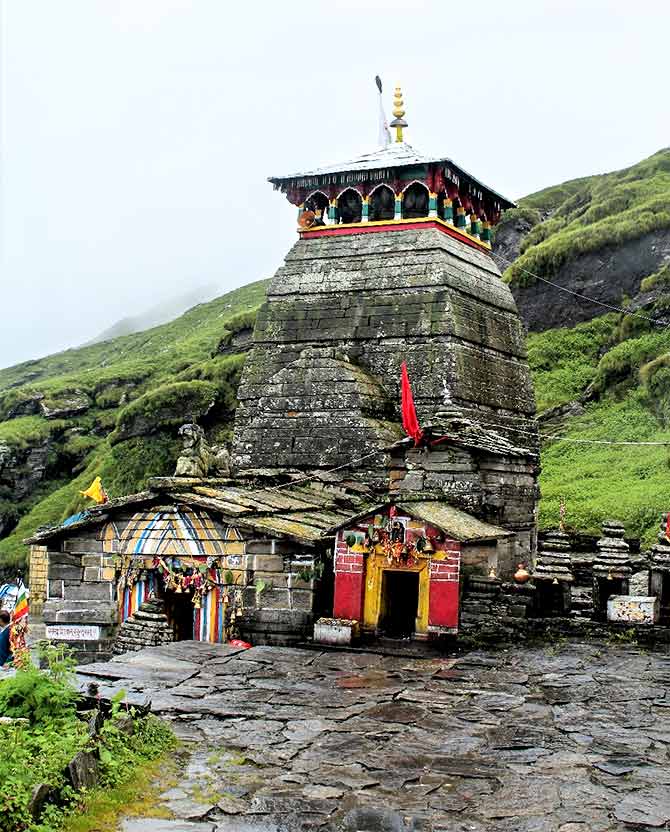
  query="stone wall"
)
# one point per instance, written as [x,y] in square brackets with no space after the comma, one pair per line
[282,611]
[320,386]
[80,607]
[500,490]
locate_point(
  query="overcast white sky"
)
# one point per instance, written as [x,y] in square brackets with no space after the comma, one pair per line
[137,136]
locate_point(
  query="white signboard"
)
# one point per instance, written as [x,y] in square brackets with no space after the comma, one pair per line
[73,632]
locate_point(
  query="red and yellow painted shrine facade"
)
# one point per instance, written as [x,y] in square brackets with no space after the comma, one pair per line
[392,568]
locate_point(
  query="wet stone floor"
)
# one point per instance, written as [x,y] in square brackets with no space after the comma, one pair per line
[573,738]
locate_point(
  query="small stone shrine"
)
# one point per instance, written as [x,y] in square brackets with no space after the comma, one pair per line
[611,568]
[552,575]
[659,573]
[147,627]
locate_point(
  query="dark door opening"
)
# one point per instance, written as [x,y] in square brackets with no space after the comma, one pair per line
[400,601]
[603,589]
[179,611]
[324,588]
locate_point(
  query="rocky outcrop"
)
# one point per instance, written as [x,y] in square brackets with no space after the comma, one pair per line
[509,235]
[66,406]
[610,276]
[237,342]
[22,469]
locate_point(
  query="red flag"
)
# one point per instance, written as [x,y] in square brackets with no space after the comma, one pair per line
[409,421]
[667,527]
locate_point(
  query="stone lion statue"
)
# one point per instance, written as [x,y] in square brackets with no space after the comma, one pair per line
[197,458]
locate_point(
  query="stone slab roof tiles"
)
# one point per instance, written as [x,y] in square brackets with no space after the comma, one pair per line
[457,524]
[299,512]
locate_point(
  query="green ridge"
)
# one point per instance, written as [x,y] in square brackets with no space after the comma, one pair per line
[139,389]
[588,214]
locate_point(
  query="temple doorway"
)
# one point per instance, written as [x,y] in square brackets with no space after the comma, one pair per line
[179,611]
[400,601]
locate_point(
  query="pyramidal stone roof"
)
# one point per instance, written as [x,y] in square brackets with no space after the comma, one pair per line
[394,155]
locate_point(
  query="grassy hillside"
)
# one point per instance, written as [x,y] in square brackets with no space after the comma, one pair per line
[584,215]
[626,375]
[617,366]
[112,409]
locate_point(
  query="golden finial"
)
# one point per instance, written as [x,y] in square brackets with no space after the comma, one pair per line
[398,111]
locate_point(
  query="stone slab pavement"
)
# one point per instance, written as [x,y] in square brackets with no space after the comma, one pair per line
[566,738]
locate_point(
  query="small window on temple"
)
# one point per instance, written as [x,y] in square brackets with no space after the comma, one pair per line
[318,203]
[382,204]
[415,201]
[349,206]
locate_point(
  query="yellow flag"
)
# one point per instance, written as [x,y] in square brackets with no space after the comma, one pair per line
[95,491]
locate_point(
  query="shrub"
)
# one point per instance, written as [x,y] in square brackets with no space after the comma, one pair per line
[619,368]
[564,361]
[658,280]
[41,696]
[40,751]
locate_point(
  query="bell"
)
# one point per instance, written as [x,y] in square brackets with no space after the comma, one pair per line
[555,582]
[428,548]
[492,572]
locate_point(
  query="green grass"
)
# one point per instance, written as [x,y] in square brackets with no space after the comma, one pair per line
[630,382]
[629,483]
[565,361]
[587,215]
[141,387]
[138,797]
[26,431]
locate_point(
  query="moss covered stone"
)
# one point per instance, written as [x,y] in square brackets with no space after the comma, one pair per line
[167,406]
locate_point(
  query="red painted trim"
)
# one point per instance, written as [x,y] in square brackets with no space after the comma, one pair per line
[349,586]
[342,231]
[443,591]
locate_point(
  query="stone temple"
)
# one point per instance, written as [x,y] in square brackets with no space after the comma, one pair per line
[332,511]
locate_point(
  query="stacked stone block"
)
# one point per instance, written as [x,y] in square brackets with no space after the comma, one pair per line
[611,567]
[147,627]
[553,575]
[81,597]
[279,598]
[659,580]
